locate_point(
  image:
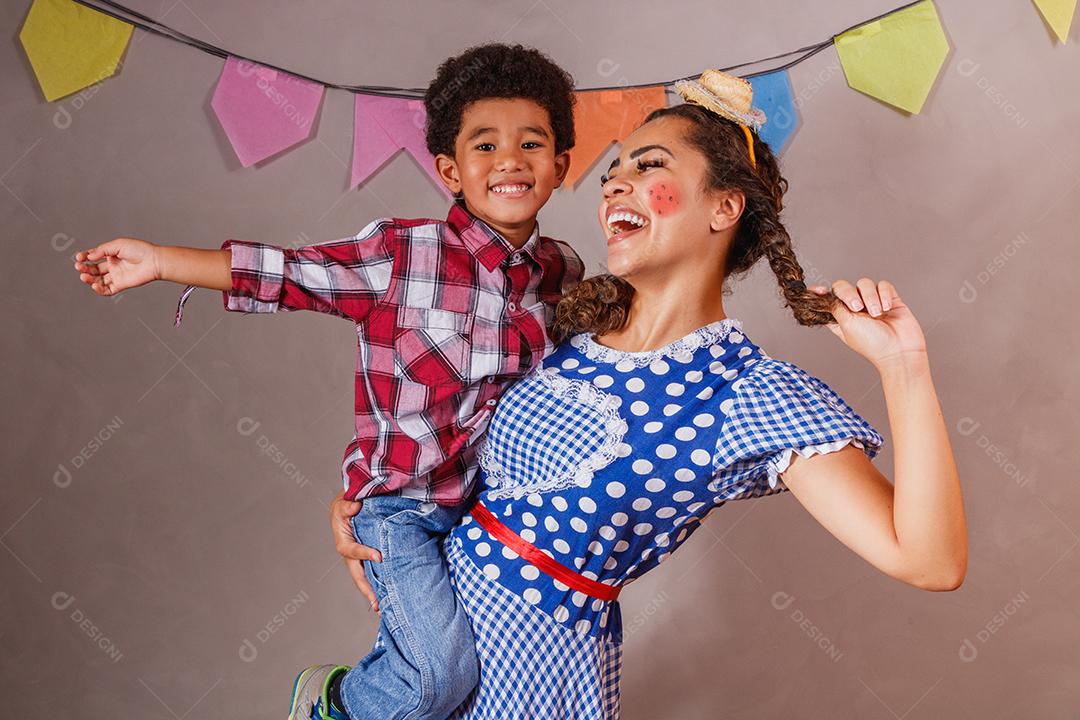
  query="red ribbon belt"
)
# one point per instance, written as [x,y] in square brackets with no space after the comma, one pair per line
[530,553]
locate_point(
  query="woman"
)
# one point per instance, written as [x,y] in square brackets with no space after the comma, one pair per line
[656,409]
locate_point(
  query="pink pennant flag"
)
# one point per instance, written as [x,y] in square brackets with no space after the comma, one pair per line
[264,111]
[383,126]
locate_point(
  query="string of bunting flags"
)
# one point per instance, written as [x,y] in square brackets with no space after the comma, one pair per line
[266,110]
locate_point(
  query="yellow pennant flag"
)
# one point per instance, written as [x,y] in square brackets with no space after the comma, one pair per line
[897,58]
[1058,15]
[71,46]
[602,117]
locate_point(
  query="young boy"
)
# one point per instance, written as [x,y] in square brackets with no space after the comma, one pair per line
[447,314]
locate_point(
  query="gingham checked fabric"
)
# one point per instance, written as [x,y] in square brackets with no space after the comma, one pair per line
[447,314]
[779,409]
[530,666]
[520,452]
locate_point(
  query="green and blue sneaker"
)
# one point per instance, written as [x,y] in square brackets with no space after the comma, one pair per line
[311,694]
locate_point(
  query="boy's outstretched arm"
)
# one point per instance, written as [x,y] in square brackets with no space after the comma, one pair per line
[123,263]
[345,277]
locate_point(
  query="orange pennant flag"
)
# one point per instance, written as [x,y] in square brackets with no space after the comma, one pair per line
[602,117]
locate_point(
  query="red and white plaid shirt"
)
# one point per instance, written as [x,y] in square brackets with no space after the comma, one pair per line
[448,314]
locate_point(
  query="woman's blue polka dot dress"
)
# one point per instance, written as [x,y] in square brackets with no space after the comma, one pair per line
[607,461]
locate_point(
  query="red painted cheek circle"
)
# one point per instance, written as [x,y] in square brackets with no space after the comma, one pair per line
[663,198]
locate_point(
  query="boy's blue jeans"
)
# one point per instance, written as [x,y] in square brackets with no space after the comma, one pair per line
[424,661]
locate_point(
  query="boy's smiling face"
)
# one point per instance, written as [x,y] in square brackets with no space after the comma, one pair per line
[505,164]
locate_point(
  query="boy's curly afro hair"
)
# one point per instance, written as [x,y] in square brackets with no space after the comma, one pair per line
[497,71]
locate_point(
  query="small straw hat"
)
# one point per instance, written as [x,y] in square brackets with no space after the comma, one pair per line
[726,95]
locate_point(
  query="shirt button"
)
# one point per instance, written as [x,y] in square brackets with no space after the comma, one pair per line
[512,307]
[491,402]
[491,378]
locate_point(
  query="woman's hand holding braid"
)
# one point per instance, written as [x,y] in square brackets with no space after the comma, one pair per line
[887,333]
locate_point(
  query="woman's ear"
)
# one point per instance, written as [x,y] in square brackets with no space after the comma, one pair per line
[727,209]
[447,169]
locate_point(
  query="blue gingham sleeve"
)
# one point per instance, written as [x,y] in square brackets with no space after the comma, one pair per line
[779,409]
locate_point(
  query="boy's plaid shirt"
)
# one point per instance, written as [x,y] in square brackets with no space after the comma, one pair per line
[447,315]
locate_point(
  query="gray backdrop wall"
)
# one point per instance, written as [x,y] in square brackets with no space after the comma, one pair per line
[165,551]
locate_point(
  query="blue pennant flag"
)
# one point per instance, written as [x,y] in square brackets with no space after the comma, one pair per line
[772,93]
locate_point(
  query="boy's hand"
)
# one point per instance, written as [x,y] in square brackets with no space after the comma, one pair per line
[118,265]
[351,551]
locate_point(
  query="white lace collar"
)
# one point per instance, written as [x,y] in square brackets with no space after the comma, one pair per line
[710,334]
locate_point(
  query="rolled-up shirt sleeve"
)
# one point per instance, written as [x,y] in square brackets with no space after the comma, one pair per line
[345,277]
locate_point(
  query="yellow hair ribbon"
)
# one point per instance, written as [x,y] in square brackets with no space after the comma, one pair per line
[749,144]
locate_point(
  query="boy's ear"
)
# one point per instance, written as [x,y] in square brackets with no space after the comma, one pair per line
[447,169]
[562,166]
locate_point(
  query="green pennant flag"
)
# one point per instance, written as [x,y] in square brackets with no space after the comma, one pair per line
[897,58]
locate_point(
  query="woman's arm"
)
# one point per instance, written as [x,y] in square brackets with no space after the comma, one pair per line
[352,552]
[914,531]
